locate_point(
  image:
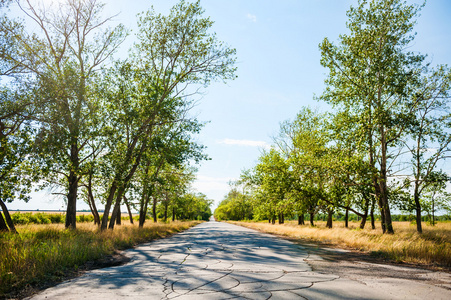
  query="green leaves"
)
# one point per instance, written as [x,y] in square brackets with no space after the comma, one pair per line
[103,126]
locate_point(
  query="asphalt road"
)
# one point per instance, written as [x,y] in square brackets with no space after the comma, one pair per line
[223,261]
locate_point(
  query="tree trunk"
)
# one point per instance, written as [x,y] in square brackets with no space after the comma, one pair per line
[130,215]
[373,225]
[384,229]
[119,216]
[8,219]
[142,214]
[363,222]
[3,226]
[301,219]
[154,210]
[165,218]
[281,218]
[433,212]
[312,215]
[383,183]
[330,213]
[144,202]
[114,185]
[387,216]
[92,203]
[109,201]
[417,207]
[346,218]
[365,214]
[380,203]
[116,209]
[173,214]
[71,211]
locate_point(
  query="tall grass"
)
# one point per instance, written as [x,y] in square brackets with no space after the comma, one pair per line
[433,247]
[41,253]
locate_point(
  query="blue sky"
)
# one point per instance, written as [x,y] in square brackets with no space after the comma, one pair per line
[278,73]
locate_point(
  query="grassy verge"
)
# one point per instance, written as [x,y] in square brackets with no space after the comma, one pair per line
[47,253]
[432,248]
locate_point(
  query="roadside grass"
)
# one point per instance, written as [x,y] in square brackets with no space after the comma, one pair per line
[432,248]
[47,253]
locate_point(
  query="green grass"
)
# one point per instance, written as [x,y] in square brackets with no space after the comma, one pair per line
[47,253]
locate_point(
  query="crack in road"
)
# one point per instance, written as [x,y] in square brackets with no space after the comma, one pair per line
[221,261]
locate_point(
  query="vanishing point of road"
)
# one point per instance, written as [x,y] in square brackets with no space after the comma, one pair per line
[222,261]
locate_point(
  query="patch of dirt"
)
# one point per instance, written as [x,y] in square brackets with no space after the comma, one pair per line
[116,259]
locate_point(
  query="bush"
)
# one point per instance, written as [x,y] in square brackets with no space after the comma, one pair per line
[38,218]
[41,218]
[85,218]
[57,218]
[20,219]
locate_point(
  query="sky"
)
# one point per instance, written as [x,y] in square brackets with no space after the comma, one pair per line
[279,72]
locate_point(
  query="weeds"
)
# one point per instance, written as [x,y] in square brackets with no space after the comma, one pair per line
[433,247]
[41,253]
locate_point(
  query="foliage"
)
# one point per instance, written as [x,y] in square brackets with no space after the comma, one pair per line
[105,129]
[147,96]
[391,122]
[235,206]
[194,206]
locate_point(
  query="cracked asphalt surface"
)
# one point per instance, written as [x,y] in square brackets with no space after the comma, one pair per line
[222,261]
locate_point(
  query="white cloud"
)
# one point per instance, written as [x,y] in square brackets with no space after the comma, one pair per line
[248,143]
[251,17]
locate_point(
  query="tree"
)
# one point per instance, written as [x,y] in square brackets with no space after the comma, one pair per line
[430,139]
[173,53]
[436,197]
[236,206]
[15,136]
[15,145]
[61,58]
[194,206]
[304,143]
[373,76]
[273,175]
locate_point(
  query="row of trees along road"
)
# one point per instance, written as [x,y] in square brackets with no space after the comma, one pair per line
[384,142]
[92,127]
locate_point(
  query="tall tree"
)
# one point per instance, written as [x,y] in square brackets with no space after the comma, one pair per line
[173,53]
[15,111]
[70,45]
[372,75]
[16,175]
[429,141]
[304,142]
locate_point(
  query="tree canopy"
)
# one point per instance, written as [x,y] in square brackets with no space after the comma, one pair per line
[100,128]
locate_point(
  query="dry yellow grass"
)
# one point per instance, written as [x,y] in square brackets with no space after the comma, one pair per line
[433,247]
[41,253]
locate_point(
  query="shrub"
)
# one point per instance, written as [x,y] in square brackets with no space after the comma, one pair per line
[85,218]
[57,218]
